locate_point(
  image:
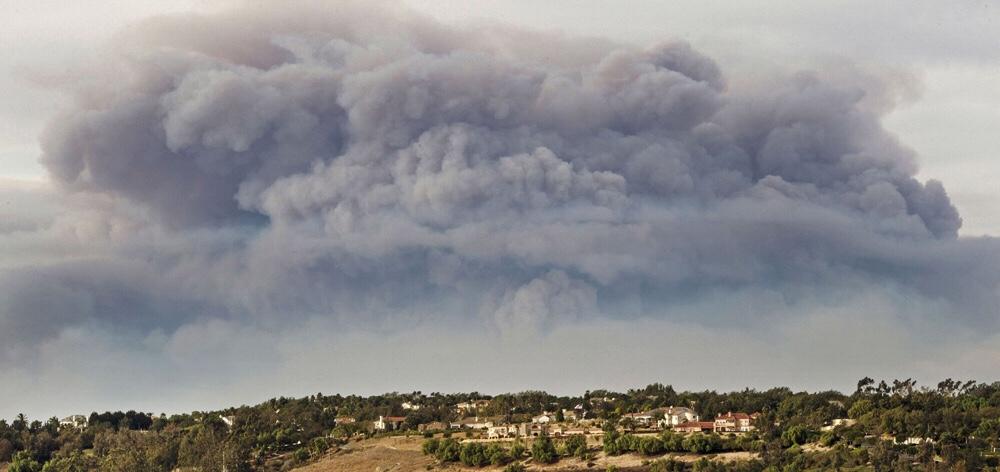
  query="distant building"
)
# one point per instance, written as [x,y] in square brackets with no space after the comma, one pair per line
[389,423]
[499,432]
[410,406]
[471,423]
[340,420]
[432,426]
[73,421]
[838,422]
[529,430]
[543,418]
[642,420]
[735,422]
[675,415]
[228,420]
[695,427]
[466,407]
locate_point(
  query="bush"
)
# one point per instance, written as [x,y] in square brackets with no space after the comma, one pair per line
[474,455]
[828,438]
[448,451]
[543,451]
[517,450]
[796,435]
[611,444]
[497,454]
[515,467]
[318,446]
[702,443]
[650,446]
[24,462]
[666,465]
[576,446]
[430,446]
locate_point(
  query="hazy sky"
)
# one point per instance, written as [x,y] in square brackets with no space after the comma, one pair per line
[210,203]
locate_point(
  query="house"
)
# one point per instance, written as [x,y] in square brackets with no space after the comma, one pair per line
[530,430]
[499,432]
[469,406]
[838,422]
[544,418]
[344,420]
[228,420]
[675,415]
[573,415]
[738,422]
[641,420]
[389,423]
[432,426]
[471,423]
[410,406]
[695,427]
[73,421]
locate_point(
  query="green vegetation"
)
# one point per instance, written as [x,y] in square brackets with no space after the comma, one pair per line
[884,426]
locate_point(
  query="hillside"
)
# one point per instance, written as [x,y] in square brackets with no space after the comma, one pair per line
[402,454]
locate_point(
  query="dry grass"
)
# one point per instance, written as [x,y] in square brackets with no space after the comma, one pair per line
[400,454]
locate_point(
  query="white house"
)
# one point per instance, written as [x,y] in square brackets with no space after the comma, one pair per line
[466,407]
[389,423]
[544,418]
[498,432]
[471,423]
[675,415]
[73,421]
[410,406]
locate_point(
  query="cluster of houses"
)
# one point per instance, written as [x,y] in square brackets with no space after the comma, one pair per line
[572,421]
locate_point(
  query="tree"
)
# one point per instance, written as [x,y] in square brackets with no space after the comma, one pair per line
[560,417]
[474,455]
[24,462]
[576,445]
[543,451]
[448,451]
[430,446]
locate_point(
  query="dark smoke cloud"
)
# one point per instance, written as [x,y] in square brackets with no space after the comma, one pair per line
[382,172]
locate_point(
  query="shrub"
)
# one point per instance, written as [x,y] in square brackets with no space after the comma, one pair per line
[576,446]
[24,462]
[517,450]
[611,444]
[318,446]
[430,446]
[448,451]
[515,467]
[701,443]
[474,455]
[543,451]
[650,446]
[666,465]
[497,454]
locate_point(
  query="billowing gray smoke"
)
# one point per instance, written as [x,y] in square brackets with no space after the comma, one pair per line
[385,172]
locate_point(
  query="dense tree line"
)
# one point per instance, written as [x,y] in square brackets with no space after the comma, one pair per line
[899,425]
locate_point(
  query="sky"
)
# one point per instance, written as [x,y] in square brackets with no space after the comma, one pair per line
[204,204]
